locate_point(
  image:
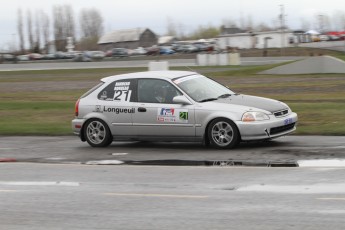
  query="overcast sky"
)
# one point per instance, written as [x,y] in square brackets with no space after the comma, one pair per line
[154,14]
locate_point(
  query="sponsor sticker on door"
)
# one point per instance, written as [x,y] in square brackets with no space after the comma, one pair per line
[172,115]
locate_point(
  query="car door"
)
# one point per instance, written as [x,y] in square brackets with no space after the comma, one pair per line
[156,115]
[116,106]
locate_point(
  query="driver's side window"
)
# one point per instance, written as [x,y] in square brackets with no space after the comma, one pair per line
[156,91]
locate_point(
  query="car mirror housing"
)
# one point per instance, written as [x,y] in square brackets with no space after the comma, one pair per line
[181,100]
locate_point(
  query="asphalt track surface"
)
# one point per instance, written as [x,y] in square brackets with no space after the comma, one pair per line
[89,197]
[285,151]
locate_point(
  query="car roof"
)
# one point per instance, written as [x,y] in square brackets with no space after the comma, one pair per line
[150,74]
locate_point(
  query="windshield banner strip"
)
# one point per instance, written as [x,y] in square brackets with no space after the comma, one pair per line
[180,80]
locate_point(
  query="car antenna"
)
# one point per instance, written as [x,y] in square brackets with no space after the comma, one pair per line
[191,69]
[194,70]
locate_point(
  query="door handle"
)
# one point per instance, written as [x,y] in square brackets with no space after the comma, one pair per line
[141,109]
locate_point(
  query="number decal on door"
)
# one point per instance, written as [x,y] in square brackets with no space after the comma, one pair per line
[122,95]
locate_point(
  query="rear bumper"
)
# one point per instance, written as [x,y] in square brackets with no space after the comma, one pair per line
[77,125]
[273,128]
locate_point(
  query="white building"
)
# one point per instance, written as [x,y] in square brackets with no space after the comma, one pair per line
[166,40]
[273,39]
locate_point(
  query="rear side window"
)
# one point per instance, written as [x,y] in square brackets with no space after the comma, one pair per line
[119,91]
[92,89]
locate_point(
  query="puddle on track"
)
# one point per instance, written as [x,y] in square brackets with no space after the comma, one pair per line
[329,188]
[322,163]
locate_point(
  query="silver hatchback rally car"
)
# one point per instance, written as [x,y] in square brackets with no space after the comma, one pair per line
[176,106]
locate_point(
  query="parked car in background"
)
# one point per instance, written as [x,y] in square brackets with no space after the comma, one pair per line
[8,57]
[95,55]
[174,46]
[81,57]
[119,52]
[176,106]
[334,38]
[23,58]
[108,53]
[166,50]
[60,55]
[35,56]
[49,57]
[201,47]
[139,51]
[154,50]
[324,37]
[187,49]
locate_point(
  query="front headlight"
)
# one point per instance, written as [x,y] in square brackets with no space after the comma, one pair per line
[254,116]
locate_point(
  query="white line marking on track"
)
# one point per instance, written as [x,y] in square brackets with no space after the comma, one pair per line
[332,198]
[329,188]
[322,163]
[55,158]
[104,162]
[40,183]
[156,195]
[8,190]
[119,154]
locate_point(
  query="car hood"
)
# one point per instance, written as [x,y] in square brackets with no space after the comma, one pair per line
[254,102]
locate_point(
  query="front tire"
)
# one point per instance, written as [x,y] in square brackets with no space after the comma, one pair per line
[223,133]
[97,133]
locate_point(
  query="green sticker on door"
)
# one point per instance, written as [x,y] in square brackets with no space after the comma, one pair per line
[184,115]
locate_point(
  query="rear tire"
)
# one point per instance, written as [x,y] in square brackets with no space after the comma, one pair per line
[97,133]
[223,133]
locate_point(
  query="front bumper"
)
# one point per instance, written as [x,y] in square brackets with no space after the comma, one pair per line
[273,128]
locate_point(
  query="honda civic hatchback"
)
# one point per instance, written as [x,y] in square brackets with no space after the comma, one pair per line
[176,106]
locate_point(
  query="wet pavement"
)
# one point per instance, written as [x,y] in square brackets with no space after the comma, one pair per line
[70,196]
[290,151]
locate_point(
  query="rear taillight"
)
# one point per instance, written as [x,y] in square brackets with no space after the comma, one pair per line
[77,108]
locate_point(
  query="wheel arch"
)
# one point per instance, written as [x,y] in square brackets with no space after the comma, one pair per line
[100,118]
[206,137]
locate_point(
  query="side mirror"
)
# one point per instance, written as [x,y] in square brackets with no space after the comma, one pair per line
[181,100]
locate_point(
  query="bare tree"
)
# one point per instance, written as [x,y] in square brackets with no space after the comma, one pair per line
[338,19]
[171,27]
[45,29]
[323,22]
[327,23]
[204,32]
[20,31]
[58,27]
[230,23]
[30,33]
[69,21]
[37,33]
[263,27]
[249,25]
[305,24]
[176,29]
[181,31]
[91,26]
[275,23]
[64,25]
[91,23]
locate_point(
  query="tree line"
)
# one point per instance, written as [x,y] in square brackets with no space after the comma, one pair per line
[37,29]
[320,21]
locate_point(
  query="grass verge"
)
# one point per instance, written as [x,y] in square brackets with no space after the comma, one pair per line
[27,107]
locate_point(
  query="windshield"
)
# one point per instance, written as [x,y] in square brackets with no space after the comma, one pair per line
[201,88]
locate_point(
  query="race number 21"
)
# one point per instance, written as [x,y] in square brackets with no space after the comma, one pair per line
[122,95]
